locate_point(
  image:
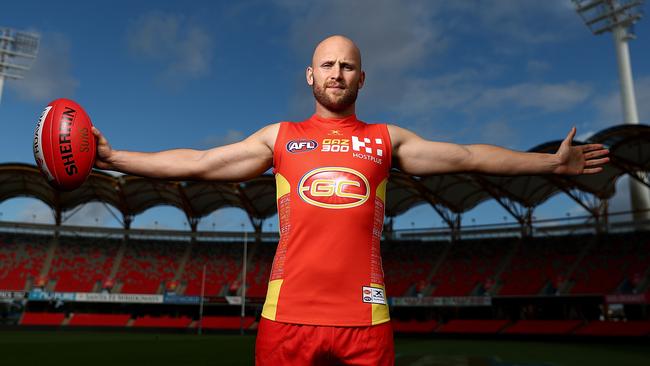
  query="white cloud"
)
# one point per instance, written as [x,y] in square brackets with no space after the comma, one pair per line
[610,107]
[50,76]
[546,97]
[536,67]
[182,47]
[467,90]
[525,21]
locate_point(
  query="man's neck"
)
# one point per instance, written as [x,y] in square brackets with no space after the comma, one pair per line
[323,112]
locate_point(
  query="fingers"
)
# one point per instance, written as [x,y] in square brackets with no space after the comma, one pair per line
[592,170]
[595,154]
[571,134]
[596,162]
[591,147]
[100,137]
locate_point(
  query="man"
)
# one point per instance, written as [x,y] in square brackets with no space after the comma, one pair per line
[326,299]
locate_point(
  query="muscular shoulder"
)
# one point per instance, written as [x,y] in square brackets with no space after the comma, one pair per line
[267,135]
[399,135]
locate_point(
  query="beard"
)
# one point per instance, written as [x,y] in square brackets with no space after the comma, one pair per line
[335,103]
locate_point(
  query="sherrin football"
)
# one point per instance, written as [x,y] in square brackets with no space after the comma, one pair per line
[64,145]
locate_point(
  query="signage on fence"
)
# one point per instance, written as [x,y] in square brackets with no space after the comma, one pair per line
[11,295]
[121,298]
[628,299]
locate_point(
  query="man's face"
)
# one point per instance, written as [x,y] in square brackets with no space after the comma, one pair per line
[335,75]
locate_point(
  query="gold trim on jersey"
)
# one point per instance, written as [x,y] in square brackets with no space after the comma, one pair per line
[379,312]
[282,186]
[381,190]
[271,304]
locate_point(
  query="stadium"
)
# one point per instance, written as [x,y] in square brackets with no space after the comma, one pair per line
[575,282]
[567,288]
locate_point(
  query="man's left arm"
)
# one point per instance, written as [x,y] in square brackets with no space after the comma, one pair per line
[417,156]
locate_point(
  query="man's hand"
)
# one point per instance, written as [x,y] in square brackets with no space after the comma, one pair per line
[104,151]
[582,159]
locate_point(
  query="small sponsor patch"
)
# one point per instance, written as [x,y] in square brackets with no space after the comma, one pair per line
[298,146]
[373,295]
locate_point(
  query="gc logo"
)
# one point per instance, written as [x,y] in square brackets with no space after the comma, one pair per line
[334,187]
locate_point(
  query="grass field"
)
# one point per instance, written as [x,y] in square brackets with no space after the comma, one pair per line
[125,349]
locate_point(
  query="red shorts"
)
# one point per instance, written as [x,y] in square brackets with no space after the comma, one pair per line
[296,345]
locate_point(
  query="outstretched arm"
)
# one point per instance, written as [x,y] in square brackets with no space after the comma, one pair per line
[235,162]
[417,156]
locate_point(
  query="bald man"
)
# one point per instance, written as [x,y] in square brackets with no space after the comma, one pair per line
[326,300]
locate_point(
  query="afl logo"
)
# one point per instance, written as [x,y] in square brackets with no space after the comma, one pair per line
[334,187]
[298,146]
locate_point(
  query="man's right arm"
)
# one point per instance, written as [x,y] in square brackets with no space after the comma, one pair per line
[235,162]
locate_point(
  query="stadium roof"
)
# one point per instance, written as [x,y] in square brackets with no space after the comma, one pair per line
[450,194]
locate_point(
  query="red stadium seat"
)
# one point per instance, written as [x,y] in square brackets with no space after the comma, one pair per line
[30,318]
[612,328]
[472,326]
[226,322]
[162,322]
[543,327]
[414,326]
[99,320]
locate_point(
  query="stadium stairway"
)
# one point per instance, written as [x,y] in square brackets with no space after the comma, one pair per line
[502,267]
[565,288]
[181,265]
[436,267]
[49,256]
[118,259]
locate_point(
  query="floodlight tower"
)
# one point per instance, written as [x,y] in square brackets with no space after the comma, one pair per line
[18,51]
[618,16]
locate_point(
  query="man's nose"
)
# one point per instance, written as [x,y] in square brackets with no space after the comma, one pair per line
[336,72]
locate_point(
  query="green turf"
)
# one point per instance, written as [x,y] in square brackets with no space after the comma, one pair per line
[77,348]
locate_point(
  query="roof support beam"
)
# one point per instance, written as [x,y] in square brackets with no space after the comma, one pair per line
[521,213]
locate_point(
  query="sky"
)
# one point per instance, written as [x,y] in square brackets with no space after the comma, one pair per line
[156,75]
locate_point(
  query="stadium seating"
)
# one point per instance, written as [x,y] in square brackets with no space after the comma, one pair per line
[162,322]
[99,320]
[226,322]
[468,264]
[147,265]
[257,276]
[223,265]
[21,258]
[34,318]
[543,327]
[613,328]
[538,262]
[414,326]
[611,261]
[405,264]
[474,326]
[78,265]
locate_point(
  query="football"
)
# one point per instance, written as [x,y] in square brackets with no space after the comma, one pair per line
[64,145]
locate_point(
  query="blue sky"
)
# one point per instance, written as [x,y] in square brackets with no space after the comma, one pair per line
[155,75]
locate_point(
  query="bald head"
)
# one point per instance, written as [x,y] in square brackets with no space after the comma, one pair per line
[335,76]
[337,45]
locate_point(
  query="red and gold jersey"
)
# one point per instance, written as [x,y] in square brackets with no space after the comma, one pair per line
[331,180]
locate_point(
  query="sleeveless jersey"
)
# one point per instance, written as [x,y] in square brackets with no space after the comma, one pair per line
[331,177]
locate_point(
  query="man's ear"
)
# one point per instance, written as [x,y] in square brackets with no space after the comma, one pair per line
[362,79]
[309,74]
